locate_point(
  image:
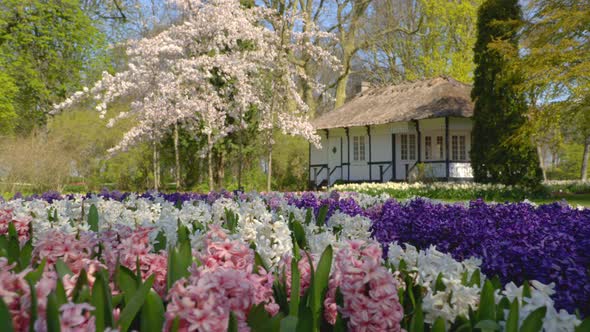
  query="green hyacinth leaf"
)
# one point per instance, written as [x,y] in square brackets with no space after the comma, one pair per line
[93,218]
[132,308]
[152,313]
[439,325]
[52,313]
[513,314]
[534,321]
[5,317]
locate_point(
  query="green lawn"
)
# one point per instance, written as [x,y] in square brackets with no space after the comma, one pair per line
[573,199]
[579,199]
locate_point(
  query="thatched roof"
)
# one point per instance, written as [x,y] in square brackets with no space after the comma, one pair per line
[433,98]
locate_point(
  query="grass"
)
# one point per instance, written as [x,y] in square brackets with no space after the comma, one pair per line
[573,199]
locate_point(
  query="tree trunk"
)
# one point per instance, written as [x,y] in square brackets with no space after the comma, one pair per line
[240,159]
[308,97]
[342,82]
[349,43]
[220,169]
[155,160]
[199,169]
[585,159]
[269,171]
[542,161]
[210,162]
[177,157]
[158,171]
[311,71]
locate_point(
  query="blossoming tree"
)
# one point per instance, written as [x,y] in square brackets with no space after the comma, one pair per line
[207,72]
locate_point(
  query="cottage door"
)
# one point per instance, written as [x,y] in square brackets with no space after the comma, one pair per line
[335,158]
[407,156]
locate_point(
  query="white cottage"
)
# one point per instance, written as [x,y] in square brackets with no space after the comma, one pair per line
[384,133]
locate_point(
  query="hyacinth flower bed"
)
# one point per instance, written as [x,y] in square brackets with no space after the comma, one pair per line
[289,262]
[516,242]
[467,190]
[446,190]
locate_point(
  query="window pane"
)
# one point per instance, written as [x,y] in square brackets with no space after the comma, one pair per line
[412,148]
[462,149]
[355,152]
[439,143]
[362,148]
[404,147]
[455,148]
[427,147]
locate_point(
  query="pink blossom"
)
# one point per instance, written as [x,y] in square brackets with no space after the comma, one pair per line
[126,246]
[157,265]
[221,253]
[216,234]
[15,291]
[225,283]
[228,254]
[205,305]
[21,224]
[73,251]
[76,317]
[73,317]
[368,289]
[262,283]
[91,266]
[304,273]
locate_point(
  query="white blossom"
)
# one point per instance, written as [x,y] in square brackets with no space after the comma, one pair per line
[170,75]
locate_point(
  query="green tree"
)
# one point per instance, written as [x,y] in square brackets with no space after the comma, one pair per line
[554,56]
[7,112]
[48,48]
[499,153]
[441,45]
[579,130]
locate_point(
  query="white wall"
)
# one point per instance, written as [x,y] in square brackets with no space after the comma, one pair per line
[460,170]
[438,170]
[336,154]
[462,124]
[437,124]
[318,156]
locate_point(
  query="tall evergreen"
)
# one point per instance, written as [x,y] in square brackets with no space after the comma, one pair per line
[499,154]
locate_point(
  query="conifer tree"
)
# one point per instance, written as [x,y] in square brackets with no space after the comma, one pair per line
[500,154]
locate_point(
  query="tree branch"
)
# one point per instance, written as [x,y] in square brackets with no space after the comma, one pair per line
[120,10]
[318,11]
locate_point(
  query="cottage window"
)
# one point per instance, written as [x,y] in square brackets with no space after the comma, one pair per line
[459,147]
[427,147]
[412,149]
[362,148]
[358,148]
[408,148]
[404,139]
[462,148]
[439,144]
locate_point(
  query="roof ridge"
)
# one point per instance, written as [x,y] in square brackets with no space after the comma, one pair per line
[413,82]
